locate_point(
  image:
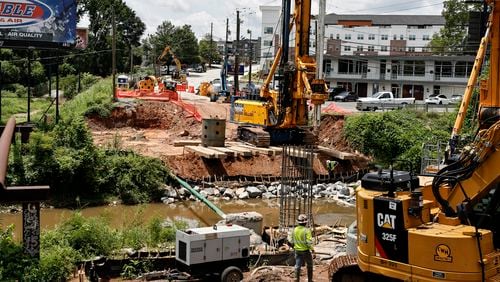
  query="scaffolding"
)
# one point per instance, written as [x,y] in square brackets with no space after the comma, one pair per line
[297,180]
[432,157]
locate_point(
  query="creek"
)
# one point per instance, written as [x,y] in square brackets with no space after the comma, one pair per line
[195,213]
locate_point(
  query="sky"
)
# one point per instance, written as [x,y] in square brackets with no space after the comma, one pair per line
[201,13]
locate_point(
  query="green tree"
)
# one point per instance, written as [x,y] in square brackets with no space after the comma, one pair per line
[451,37]
[181,40]
[129,29]
[208,50]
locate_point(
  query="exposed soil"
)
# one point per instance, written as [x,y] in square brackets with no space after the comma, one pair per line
[286,273]
[151,127]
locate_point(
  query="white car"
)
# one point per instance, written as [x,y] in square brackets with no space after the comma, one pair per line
[440,99]
[456,99]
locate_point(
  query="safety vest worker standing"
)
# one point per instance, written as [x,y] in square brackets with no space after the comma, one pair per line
[302,243]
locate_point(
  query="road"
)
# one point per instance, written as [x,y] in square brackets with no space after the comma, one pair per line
[195,79]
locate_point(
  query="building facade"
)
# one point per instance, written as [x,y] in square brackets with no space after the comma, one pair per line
[370,53]
[270,35]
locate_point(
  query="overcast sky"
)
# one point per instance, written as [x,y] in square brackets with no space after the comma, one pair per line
[200,13]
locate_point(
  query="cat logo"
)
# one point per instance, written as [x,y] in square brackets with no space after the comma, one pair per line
[443,253]
[386,220]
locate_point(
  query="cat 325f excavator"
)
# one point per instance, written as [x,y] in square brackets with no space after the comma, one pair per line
[281,117]
[448,230]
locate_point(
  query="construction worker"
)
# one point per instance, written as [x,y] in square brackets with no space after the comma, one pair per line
[330,166]
[302,243]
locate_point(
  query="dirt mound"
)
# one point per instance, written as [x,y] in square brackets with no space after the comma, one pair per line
[190,166]
[147,115]
[150,128]
[331,133]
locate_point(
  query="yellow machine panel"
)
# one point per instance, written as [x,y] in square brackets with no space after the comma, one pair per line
[251,112]
[445,247]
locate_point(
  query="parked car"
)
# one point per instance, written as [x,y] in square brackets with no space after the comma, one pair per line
[382,100]
[440,99]
[345,97]
[332,92]
[456,99]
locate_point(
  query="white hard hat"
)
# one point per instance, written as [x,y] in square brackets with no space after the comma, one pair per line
[302,218]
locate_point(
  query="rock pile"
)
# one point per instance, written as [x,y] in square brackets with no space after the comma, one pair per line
[342,193]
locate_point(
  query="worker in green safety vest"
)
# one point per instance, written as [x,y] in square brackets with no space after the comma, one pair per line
[330,166]
[301,239]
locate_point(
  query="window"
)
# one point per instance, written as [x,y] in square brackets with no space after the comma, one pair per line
[384,37]
[437,90]
[359,48]
[371,37]
[394,37]
[413,68]
[268,43]
[426,49]
[401,37]
[411,49]
[338,36]
[268,30]
[352,67]
[426,37]
[371,48]
[463,69]
[361,37]
[331,35]
[383,48]
[412,37]
[443,69]
[347,36]
[268,55]
[347,48]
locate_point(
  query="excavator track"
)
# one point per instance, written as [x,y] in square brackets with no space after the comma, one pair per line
[345,269]
[254,135]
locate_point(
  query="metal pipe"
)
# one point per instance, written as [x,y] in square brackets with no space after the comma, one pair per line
[5,141]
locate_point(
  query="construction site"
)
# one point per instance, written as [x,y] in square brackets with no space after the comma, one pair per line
[282,150]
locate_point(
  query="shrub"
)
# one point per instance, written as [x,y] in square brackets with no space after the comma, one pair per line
[396,134]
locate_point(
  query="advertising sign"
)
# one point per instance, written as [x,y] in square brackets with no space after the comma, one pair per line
[47,24]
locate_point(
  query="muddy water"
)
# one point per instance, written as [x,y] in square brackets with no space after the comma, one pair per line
[197,214]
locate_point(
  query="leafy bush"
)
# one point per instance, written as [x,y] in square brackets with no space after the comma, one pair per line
[396,134]
[135,178]
[13,261]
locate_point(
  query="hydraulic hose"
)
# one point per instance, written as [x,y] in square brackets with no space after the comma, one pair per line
[202,198]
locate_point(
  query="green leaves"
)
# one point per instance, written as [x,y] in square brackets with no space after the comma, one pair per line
[396,134]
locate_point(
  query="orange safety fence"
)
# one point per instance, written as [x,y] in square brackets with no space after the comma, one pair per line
[181,87]
[164,95]
[334,108]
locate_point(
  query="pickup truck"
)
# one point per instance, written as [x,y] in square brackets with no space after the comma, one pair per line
[382,100]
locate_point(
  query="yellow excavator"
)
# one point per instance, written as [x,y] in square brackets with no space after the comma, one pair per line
[176,74]
[449,228]
[282,116]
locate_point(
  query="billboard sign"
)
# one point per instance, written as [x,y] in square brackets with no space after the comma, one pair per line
[47,24]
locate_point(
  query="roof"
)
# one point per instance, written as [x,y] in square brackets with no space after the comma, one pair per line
[332,19]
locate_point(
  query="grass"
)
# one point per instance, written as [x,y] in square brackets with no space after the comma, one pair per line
[98,95]
[13,105]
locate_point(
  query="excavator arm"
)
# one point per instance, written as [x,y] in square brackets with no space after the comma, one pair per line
[477,169]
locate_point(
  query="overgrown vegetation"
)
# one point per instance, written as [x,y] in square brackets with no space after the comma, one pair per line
[79,238]
[397,134]
[64,157]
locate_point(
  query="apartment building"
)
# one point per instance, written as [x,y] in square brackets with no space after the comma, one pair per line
[370,53]
[270,34]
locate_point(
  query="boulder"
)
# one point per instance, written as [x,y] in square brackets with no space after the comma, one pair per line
[229,193]
[262,188]
[253,192]
[243,195]
[239,191]
[268,195]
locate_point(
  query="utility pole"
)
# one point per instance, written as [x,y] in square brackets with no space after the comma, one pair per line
[113,55]
[211,44]
[237,50]
[250,60]
[224,64]
[320,31]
